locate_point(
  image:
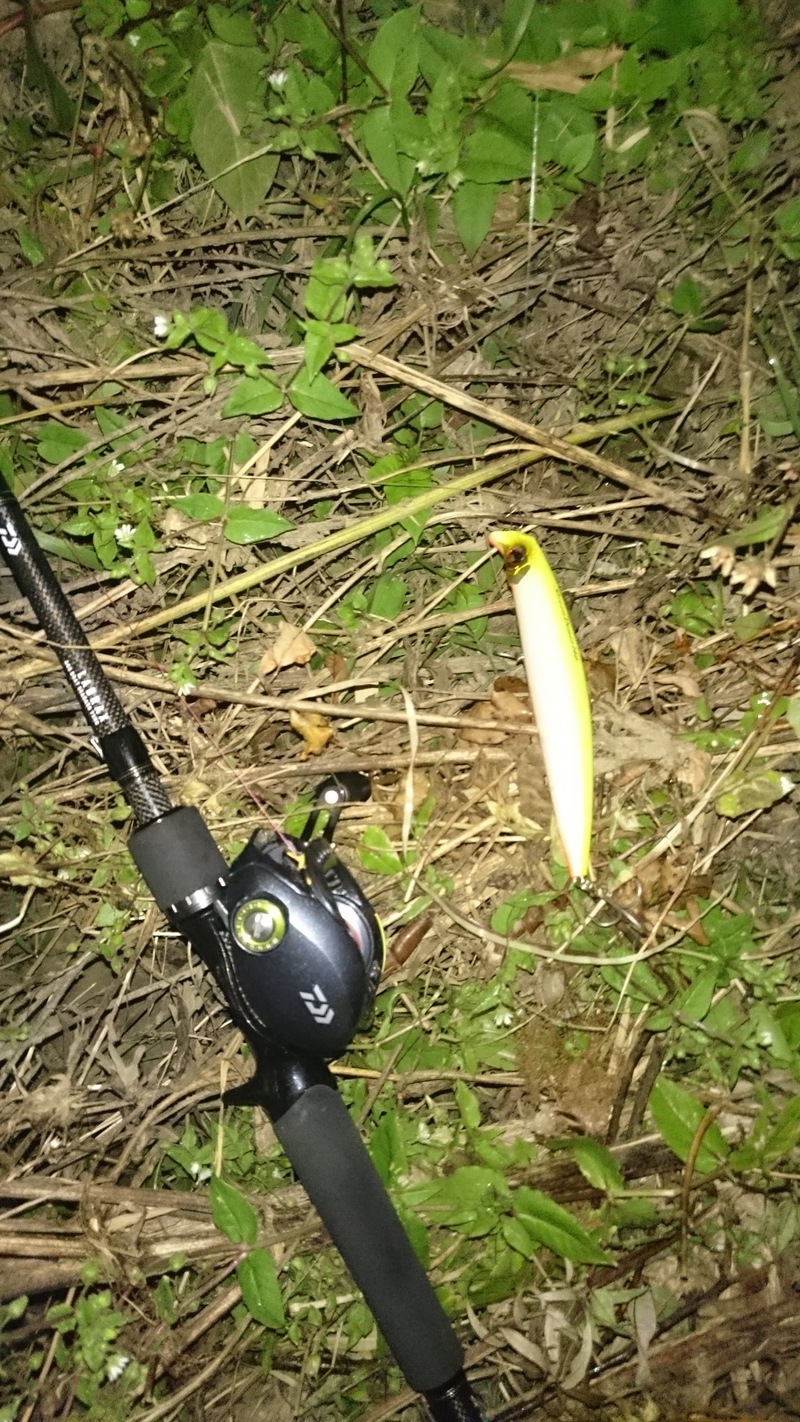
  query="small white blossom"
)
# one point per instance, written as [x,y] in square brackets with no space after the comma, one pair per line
[160,327]
[116,1366]
[199,1172]
[278,79]
[124,533]
[115,467]
[134,39]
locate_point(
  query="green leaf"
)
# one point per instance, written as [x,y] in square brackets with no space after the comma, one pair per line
[754,789]
[326,289]
[258,1280]
[687,298]
[556,1229]
[376,852]
[393,55]
[59,442]
[200,507]
[516,1235]
[494,157]
[769,524]
[246,525]
[253,396]
[388,597]
[793,715]
[596,1164]
[377,133]
[472,206]
[468,1106]
[319,398]
[232,1213]
[233,27]
[784,1136]
[32,249]
[677,1115]
[224,94]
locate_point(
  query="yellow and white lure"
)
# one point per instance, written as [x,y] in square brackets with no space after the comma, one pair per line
[557,685]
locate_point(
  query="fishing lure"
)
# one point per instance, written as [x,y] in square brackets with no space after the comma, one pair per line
[558,690]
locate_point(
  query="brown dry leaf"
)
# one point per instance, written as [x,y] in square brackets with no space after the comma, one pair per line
[511,701]
[481,711]
[565,75]
[315,730]
[292,648]
[373,414]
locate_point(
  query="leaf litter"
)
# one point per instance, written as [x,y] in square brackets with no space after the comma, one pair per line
[599,1135]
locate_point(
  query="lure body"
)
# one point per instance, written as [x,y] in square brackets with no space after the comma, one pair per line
[558,690]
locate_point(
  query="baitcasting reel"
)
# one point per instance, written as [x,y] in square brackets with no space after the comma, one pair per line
[289,935]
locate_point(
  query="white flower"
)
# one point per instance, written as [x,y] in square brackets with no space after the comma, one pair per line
[134,39]
[124,533]
[278,79]
[160,327]
[115,467]
[201,1173]
[116,1366]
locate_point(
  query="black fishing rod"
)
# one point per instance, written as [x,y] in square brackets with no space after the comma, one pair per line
[296,950]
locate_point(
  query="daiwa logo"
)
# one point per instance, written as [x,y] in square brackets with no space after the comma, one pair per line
[87,693]
[10,539]
[318,1005]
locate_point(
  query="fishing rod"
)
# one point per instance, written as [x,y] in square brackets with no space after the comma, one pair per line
[296,949]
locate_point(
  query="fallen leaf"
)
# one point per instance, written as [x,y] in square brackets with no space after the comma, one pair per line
[315,730]
[292,648]
[481,711]
[565,75]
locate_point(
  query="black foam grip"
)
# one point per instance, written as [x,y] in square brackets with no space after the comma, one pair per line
[177,856]
[332,1163]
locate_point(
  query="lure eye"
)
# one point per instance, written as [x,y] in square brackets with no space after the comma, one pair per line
[515,556]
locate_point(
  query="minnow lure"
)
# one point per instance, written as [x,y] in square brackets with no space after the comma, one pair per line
[558,690]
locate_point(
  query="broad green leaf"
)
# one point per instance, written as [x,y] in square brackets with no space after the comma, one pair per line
[516,1235]
[494,157]
[321,340]
[768,525]
[224,94]
[596,1164]
[366,269]
[407,485]
[472,206]
[677,1115]
[200,507]
[393,55]
[395,168]
[246,525]
[751,624]
[754,789]
[687,298]
[253,396]
[388,597]
[319,398]
[59,442]
[233,27]
[32,249]
[258,1280]
[555,1227]
[468,1107]
[577,152]
[377,853]
[784,1136]
[232,1213]
[326,288]
[511,910]
[787,222]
